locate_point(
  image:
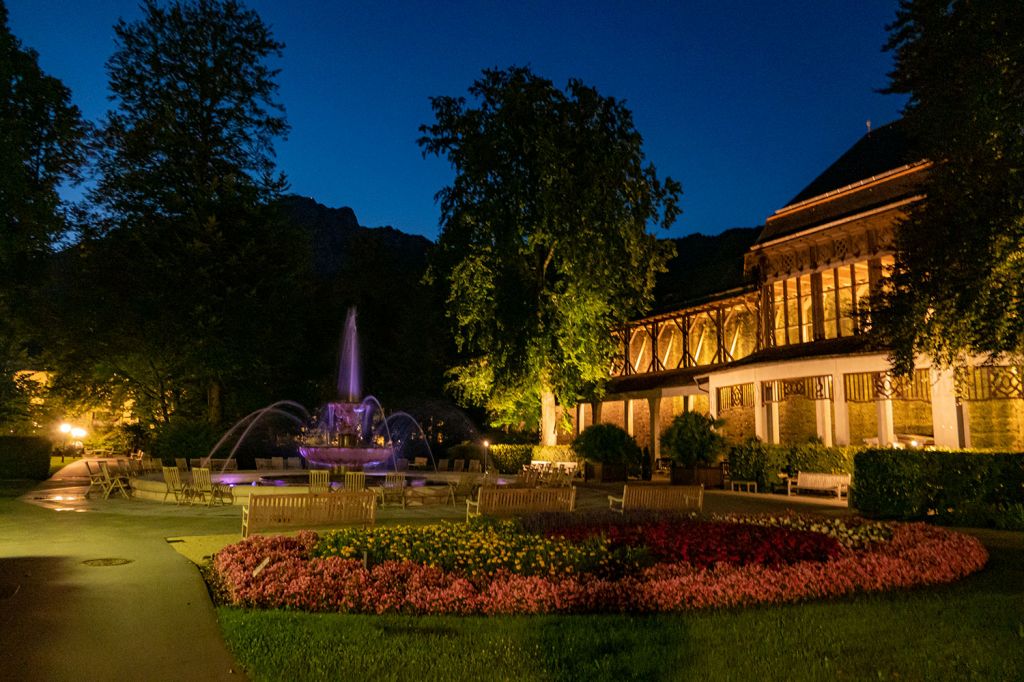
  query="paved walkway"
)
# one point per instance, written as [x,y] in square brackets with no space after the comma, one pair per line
[62,618]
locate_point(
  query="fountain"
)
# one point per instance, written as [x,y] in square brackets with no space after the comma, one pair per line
[343,432]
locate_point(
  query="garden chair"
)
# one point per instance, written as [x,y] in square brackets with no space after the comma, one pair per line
[401,464]
[113,481]
[319,481]
[204,489]
[442,464]
[96,479]
[181,463]
[172,479]
[355,480]
[474,466]
[294,463]
[460,465]
[393,488]
[264,464]
[339,469]
[419,463]
[197,462]
[277,463]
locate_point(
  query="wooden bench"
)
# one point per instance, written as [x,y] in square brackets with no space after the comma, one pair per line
[306,510]
[658,498]
[504,501]
[809,480]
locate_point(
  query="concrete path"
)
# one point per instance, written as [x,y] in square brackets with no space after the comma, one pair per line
[63,619]
[143,612]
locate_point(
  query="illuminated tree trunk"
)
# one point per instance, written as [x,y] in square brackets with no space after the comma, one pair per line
[547,416]
[214,404]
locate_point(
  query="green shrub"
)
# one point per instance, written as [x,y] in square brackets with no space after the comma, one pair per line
[183,438]
[817,457]
[25,457]
[958,488]
[691,439]
[755,460]
[606,444]
[467,450]
[510,458]
[554,453]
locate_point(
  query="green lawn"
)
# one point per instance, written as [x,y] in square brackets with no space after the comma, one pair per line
[971,630]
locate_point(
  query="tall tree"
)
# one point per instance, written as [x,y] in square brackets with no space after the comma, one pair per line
[958,283]
[544,248]
[186,192]
[41,147]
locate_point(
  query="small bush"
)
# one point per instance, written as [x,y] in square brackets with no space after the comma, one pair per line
[817,457]
[183,438]
[958,488]
[25,457]
[510,458]
[691,440]
[606,444]
[467,450]
[554,453]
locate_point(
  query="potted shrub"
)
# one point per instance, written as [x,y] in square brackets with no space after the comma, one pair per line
[608,452]
[696,450]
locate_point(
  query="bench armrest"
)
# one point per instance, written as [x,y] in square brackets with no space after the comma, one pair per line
[245,521]
[790,484]
[612,501]
[472,508]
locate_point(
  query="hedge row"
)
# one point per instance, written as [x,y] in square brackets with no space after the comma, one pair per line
[956,488]
[509,459]
[25,457]
[755,460]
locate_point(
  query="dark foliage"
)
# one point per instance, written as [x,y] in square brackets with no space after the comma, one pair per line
[607,444]
[25,457]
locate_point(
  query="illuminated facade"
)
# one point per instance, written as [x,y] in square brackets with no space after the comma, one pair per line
[786,357]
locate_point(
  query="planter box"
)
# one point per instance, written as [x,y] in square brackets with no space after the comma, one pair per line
[605,473]
[709,477]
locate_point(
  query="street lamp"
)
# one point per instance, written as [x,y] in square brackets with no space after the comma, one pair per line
[487,454]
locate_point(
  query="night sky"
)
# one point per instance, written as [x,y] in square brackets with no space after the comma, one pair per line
[743,102]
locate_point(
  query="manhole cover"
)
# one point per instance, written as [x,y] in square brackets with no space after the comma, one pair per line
[106,562]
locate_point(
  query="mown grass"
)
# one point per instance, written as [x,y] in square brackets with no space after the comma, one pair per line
[971,630]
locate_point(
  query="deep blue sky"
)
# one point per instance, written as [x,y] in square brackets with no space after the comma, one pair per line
[744,102]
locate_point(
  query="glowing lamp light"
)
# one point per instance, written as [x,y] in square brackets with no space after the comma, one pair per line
[487,444]
[64,428]
[77,433]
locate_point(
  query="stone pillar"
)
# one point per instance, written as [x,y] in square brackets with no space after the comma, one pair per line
[945,417]
[654,406]
[823,420]
[713,402]
[842,412]
[627,415]
[886,436]
[581,417]
[595,410]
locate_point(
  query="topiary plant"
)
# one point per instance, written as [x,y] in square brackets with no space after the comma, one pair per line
[606,444]
[691,439]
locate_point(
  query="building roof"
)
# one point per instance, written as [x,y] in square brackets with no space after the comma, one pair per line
[881,168]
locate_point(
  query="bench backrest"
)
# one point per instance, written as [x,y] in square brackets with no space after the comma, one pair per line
[523,500]
[312,509]
[812,479]
[663,497]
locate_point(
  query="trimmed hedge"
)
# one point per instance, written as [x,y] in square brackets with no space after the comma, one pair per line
[755,460]
[554,453]
[956,488]
[510,458]
[25,457]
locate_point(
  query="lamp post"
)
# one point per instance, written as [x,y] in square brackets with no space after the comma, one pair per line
[487,454]
[64,429]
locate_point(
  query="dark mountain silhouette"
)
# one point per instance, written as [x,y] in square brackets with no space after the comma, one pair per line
[704,265]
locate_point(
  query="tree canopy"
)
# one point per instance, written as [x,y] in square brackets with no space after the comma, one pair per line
[958,283]
[544,246]
[41,147]
[187,283]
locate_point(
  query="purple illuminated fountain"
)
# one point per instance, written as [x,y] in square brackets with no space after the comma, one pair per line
[344,431]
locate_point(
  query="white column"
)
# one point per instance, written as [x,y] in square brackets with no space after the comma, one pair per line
[654,405]
[581,417]
[595,409]
[886,436]
[944,413]
[772,413]
[823,420]
[842,412]
[627,411]
[713,402]
[760,423]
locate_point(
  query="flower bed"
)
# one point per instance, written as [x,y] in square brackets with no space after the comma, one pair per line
[653,566]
